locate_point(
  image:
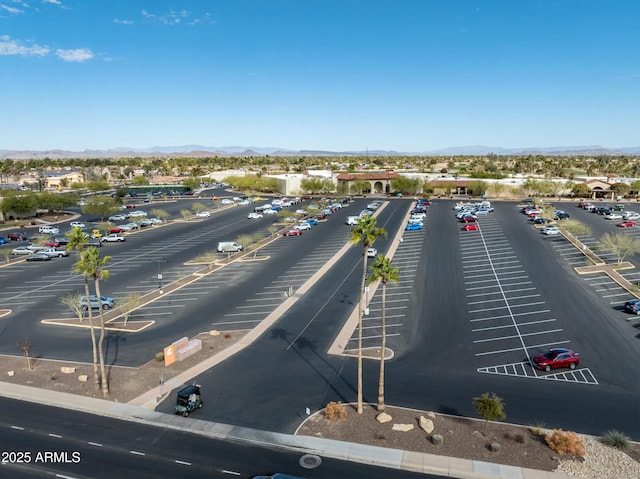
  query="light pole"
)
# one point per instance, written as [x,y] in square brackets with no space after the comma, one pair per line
[158,261]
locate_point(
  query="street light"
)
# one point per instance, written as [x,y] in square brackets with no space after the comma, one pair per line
[158,261]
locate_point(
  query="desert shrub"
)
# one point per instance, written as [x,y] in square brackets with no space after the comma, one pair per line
[616,439]
[335,411]
[565,442]
[437,439]
[490,407]
[379,436]
[227,335]
[519,438]
[538,429]
[159,357]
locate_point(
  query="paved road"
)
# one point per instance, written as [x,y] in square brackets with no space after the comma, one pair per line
[88,446]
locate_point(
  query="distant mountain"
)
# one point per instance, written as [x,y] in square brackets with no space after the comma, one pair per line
[200,151]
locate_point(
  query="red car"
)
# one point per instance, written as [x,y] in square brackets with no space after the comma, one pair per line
[130,205]
[470,227]
[556,358]
[292,233]
[52,243]
[627,224]
[116,229]
[468,219]
[17,237]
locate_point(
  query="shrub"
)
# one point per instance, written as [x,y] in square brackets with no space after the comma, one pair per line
[335,411]
[565,442]
[495,447]
[519,438]
[159,357]
[227,335]
[616,439]
[490,407]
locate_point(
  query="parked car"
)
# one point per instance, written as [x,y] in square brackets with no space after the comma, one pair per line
[292,232]
[413,227]
[470,227]
[77,224]
[632,306]
[613,216]
[226,201]
[551,230]
[22,251]
[372,252]
[468,219]
[562,215]
[117,218]
[17,237]
[312,221]
[556,358]
[203,214]
[270,211]
[55,253]
[107,302]
[303,226]
[137,214]
[255,216]
[53,243]
[93,243]
[113,238]
[627,224]
[278,475]
[4,240]
[38,257]
[61,240]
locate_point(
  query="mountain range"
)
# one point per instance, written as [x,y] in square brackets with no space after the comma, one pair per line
[234,151]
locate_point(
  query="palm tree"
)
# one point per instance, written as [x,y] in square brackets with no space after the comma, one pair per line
[93,266]
[383,271]
[77,241]
[364,233]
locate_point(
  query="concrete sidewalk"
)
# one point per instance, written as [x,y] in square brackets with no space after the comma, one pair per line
[391,458]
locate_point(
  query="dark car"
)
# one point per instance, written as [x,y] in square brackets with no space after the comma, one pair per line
[61,240]
[561,215]
[632,306]
[556,358]
[17,237]
[38,257]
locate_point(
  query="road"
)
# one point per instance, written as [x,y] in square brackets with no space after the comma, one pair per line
[53,442]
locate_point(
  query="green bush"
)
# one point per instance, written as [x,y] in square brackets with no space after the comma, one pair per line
[616,439]
[159,357]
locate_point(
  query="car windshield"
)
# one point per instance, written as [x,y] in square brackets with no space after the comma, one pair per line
[550,355]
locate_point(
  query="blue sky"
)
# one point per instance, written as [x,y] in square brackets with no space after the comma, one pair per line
[404,75]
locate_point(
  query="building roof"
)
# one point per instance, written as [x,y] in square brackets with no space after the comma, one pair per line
[383,175]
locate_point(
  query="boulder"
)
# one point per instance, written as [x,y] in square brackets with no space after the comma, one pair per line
[431,415]
[426,425]
[67,370]
[383,418]
[214,332]
[83,378]
[402,427]
[11,373]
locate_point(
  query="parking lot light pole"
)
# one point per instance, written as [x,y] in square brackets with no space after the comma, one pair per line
[158,261]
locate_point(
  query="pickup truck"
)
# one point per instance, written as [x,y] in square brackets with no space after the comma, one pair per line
[55,253]
[112,238]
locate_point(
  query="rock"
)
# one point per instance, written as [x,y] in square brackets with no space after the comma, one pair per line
[426,425]
[495,447]
[11,373]
[214,332]
[437,439]
[383,418]
[402,427]
[431,415]
[67,370]
[83,378]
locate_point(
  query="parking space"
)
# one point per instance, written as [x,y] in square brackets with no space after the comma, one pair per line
[509,317]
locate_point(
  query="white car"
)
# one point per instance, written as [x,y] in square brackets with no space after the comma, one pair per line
[613,216]
[203,214]
[55,253]
[270,212]
[156,221]
[77,224]
[117,218]
[52,230]
[112,238]
[372,252]
[303,226]
[226,201]
[22,250]
[254,216]
[244,203]
[551,230]
[137,214]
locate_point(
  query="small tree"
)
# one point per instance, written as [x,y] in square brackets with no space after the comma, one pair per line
[490,407]
[198,207]
[25,346]
[72,301]
[129,304]
[185,213]
[160,214]
[6,252]
[620,244]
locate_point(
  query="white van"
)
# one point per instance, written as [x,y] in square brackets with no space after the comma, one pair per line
[352,220]
[229,247]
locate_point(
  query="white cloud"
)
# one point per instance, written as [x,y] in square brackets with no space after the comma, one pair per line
[55,2]
[12,47]
[77,55]
[123,22]
[176,17]
[12,10]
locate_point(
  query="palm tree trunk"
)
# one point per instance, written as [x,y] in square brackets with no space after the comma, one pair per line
[360,315]
[103,376]
[96,376]
[380,406]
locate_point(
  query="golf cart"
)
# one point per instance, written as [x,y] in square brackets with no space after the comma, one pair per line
[188,400]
